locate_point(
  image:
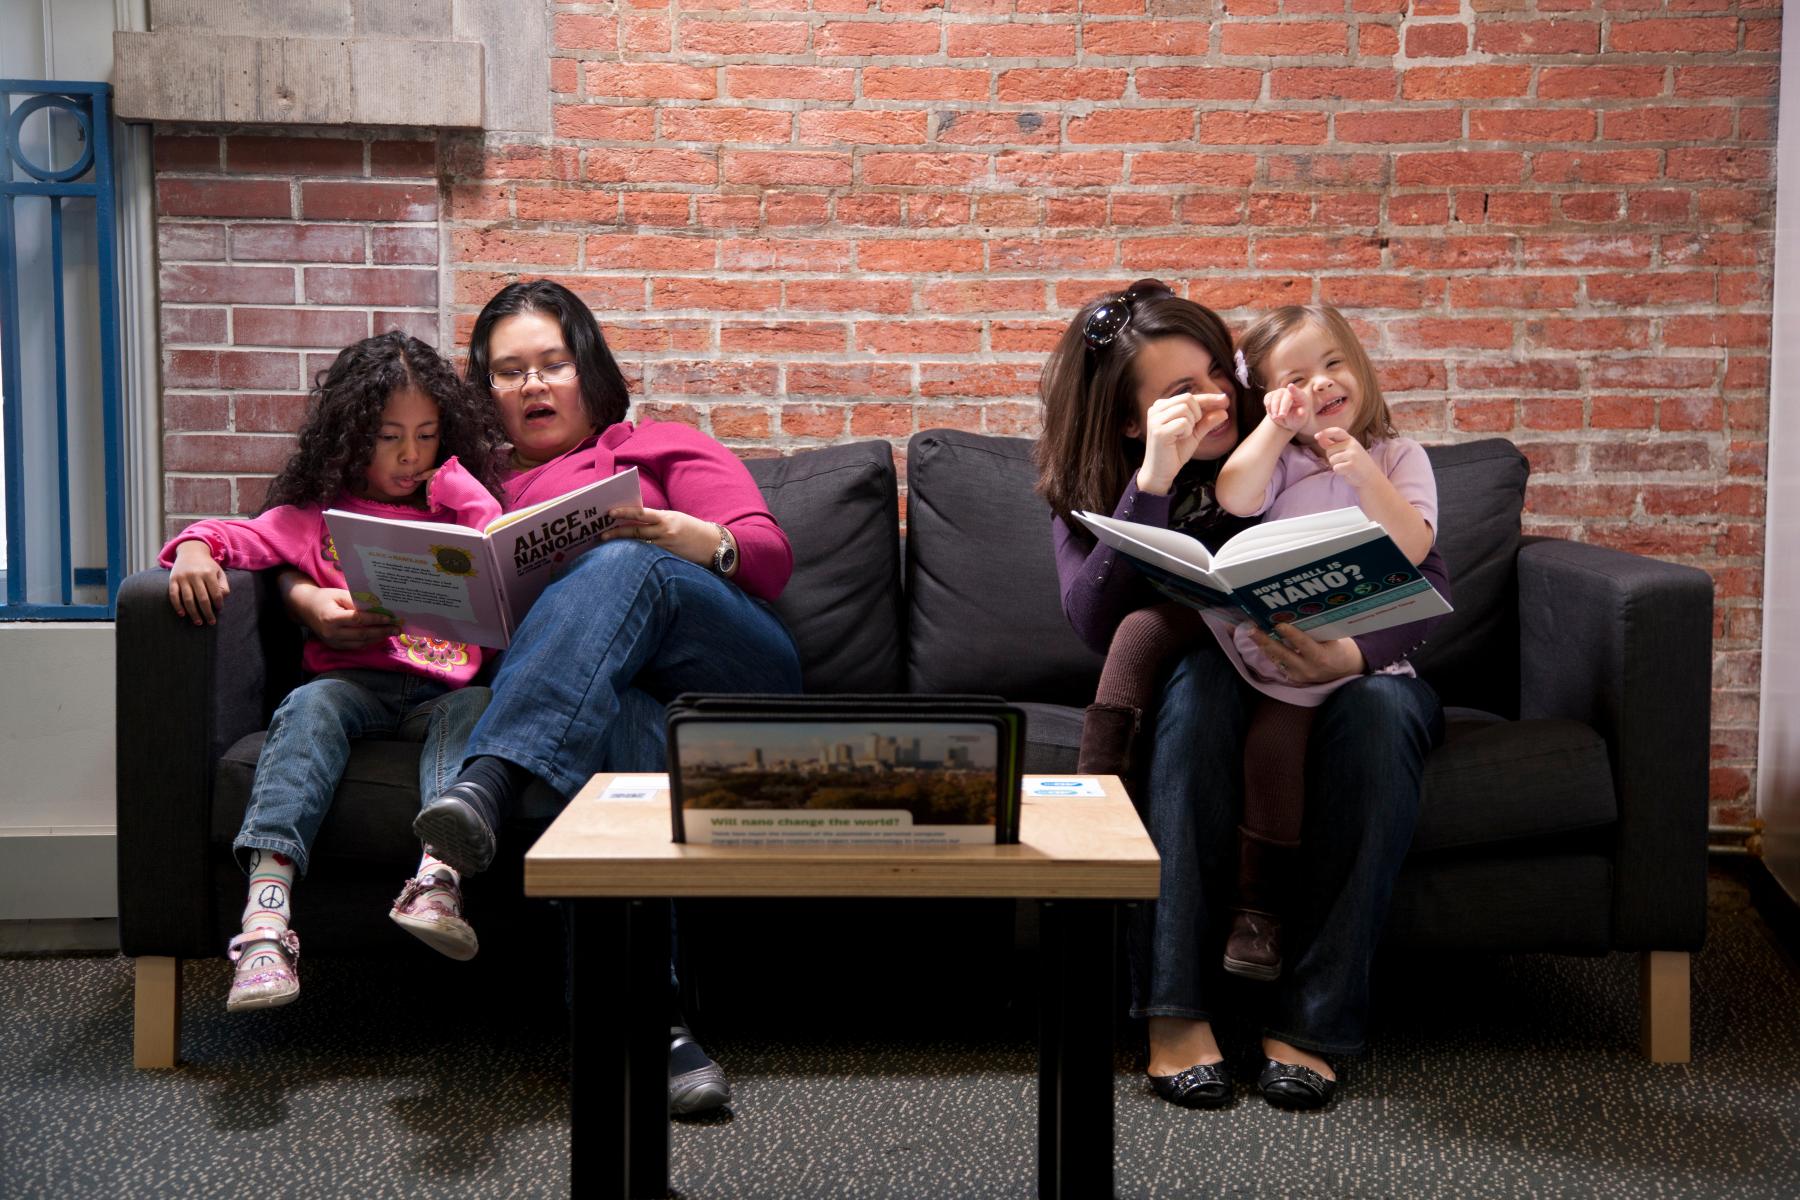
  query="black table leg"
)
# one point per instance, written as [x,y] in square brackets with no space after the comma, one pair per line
[1075,1048]
[619,1048]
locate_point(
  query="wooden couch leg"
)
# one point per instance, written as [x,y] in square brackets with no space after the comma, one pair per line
[1663,996]
[156,1034]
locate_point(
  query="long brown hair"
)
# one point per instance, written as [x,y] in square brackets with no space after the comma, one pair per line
[1090,394]
[1260,340]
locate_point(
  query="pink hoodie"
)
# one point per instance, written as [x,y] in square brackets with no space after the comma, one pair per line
[679,468]
[295,535]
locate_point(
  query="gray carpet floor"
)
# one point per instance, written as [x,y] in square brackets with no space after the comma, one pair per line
[1513,1076]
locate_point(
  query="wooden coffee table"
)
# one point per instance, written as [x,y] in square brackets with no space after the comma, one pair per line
[1079,856]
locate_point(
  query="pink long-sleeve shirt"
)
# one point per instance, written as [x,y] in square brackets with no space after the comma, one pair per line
[678,468]
[296,536]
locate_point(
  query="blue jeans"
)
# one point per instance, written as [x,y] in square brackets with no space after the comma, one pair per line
[629,628]
[309,742]
[1365,766]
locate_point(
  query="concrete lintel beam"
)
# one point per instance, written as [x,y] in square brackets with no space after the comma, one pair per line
[256,18]
[184,76]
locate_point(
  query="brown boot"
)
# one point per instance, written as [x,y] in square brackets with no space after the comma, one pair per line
[1253,947]
[1107,734]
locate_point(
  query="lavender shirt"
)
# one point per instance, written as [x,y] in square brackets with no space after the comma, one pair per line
[1099,587]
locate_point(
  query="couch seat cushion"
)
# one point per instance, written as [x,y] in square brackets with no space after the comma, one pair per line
[1494,780]
[371,816]
[1491,781]
[1052,738]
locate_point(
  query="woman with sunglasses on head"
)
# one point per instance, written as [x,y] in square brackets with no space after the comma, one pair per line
[674,599]
[1141,408]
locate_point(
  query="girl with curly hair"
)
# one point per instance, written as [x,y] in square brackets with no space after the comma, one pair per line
[390,431]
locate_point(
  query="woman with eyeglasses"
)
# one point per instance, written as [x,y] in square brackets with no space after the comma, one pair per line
[675,598]
[1141,408]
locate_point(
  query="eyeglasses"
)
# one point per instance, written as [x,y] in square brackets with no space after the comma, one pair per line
[1107,322]
[513,380]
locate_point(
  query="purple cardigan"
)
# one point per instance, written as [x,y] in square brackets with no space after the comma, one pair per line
[1098,589]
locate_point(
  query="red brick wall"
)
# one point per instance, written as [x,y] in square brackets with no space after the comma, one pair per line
[804,223]
[277,251]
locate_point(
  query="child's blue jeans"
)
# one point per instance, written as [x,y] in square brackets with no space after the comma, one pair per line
[309,744]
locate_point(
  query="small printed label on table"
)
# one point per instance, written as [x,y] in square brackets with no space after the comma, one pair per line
[829,827]
[1053,785]
[635,787]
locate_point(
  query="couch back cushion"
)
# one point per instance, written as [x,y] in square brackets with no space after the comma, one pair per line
[1473,657]
[839,507]
[984,608]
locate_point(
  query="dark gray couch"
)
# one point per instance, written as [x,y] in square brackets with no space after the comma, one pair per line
[1566,811]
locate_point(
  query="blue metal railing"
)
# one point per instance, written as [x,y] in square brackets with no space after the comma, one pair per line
[89,177]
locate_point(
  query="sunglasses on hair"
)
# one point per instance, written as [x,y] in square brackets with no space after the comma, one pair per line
[1108,321]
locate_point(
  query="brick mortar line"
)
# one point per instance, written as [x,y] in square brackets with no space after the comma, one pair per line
[1127,102]
[295,181]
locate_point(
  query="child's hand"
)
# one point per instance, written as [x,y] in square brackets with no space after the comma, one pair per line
[1289,408]
[197,584]
[1347,456]
[1302,660]
[333,617]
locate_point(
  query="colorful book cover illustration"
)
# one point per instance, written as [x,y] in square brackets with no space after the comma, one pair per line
[473,585]
[1334,574]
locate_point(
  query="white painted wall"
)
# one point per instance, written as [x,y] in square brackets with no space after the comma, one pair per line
[56,770]
[1778,752]
[57,798]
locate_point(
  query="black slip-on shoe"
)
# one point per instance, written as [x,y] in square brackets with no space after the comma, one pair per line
[453,829]
[700,1088]
[1205,1085]
[1290,1085]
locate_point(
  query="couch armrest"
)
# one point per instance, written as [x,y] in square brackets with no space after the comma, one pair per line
[184,695]
[1624,643]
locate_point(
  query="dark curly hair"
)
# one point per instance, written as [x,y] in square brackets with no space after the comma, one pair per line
[343,415]
[604,395]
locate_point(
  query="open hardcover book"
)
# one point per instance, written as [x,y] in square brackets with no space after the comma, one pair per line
[1334,574]
[472,585]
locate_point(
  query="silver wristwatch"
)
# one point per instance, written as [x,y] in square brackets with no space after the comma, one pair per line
[725,558]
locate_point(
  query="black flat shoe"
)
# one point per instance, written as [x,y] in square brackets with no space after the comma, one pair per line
[1290,1085]
[1207,1085]
[453,829]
